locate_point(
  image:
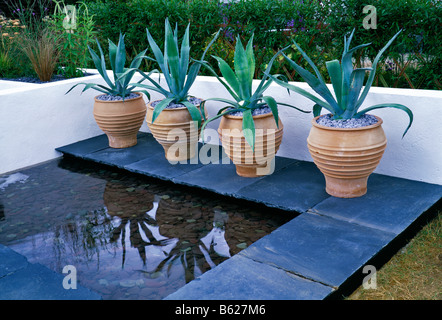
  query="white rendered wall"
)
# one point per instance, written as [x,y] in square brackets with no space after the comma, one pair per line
[36,119]
[418,156]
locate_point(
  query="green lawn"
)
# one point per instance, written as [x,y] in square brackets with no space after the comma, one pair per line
[414,273]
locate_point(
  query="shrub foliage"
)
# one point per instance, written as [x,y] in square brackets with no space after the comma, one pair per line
[318,26]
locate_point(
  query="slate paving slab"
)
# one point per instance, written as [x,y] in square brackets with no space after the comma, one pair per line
[240,278]
[159,167]
[21,280]
[391,204]
[36,282]
[145,148]
[220,178]
[320,248]
[80,149]
[10,261]
[298,187]
[156,165]
[223,179]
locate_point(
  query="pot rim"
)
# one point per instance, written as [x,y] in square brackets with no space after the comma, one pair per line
[149,105]
[118,101]
[374,125]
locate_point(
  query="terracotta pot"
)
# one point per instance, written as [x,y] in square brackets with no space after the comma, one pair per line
[175,131]
[268,138]
[346,156]
[120,120]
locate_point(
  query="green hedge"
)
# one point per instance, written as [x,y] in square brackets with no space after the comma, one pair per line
[318,26]
[421,21]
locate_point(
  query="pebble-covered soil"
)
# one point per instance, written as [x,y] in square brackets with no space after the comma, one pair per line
[108,97]
[173,105]
[255,112]
[363,121]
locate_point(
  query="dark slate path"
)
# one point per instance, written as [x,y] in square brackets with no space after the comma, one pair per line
[314,255]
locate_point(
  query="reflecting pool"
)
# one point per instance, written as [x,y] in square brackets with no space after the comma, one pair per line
[128,236]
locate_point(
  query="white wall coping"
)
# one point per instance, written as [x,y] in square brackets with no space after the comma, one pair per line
[10,86]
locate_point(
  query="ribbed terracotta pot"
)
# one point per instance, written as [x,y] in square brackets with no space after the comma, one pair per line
[346,156]
[268,138]
[175,131]
[120,120]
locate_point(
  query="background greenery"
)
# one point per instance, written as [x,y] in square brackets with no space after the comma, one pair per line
[318,26]
[35,44]
[414,60]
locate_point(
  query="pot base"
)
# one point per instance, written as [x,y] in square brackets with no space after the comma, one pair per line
[179,151]
[119,142]
[346,188]
[254,171]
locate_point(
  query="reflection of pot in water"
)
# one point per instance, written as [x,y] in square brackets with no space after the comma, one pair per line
[124,202]
[131,206]
[217,236]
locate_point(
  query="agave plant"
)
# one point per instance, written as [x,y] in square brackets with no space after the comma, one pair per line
[239,84]
[347,84]
[175,66]
[117,57]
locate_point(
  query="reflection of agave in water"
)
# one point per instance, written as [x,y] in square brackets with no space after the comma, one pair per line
[178,232]
[197,248]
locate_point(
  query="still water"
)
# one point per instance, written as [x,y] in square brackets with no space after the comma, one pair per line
[128,236]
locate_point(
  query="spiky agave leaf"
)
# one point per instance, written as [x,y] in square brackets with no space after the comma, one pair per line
[373,72]
[195,67]
[172,58]
[347,84]
[117,58]
[174,65]
[335,72]
[390,105]
[316,83]
[238,83]
[100,65]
